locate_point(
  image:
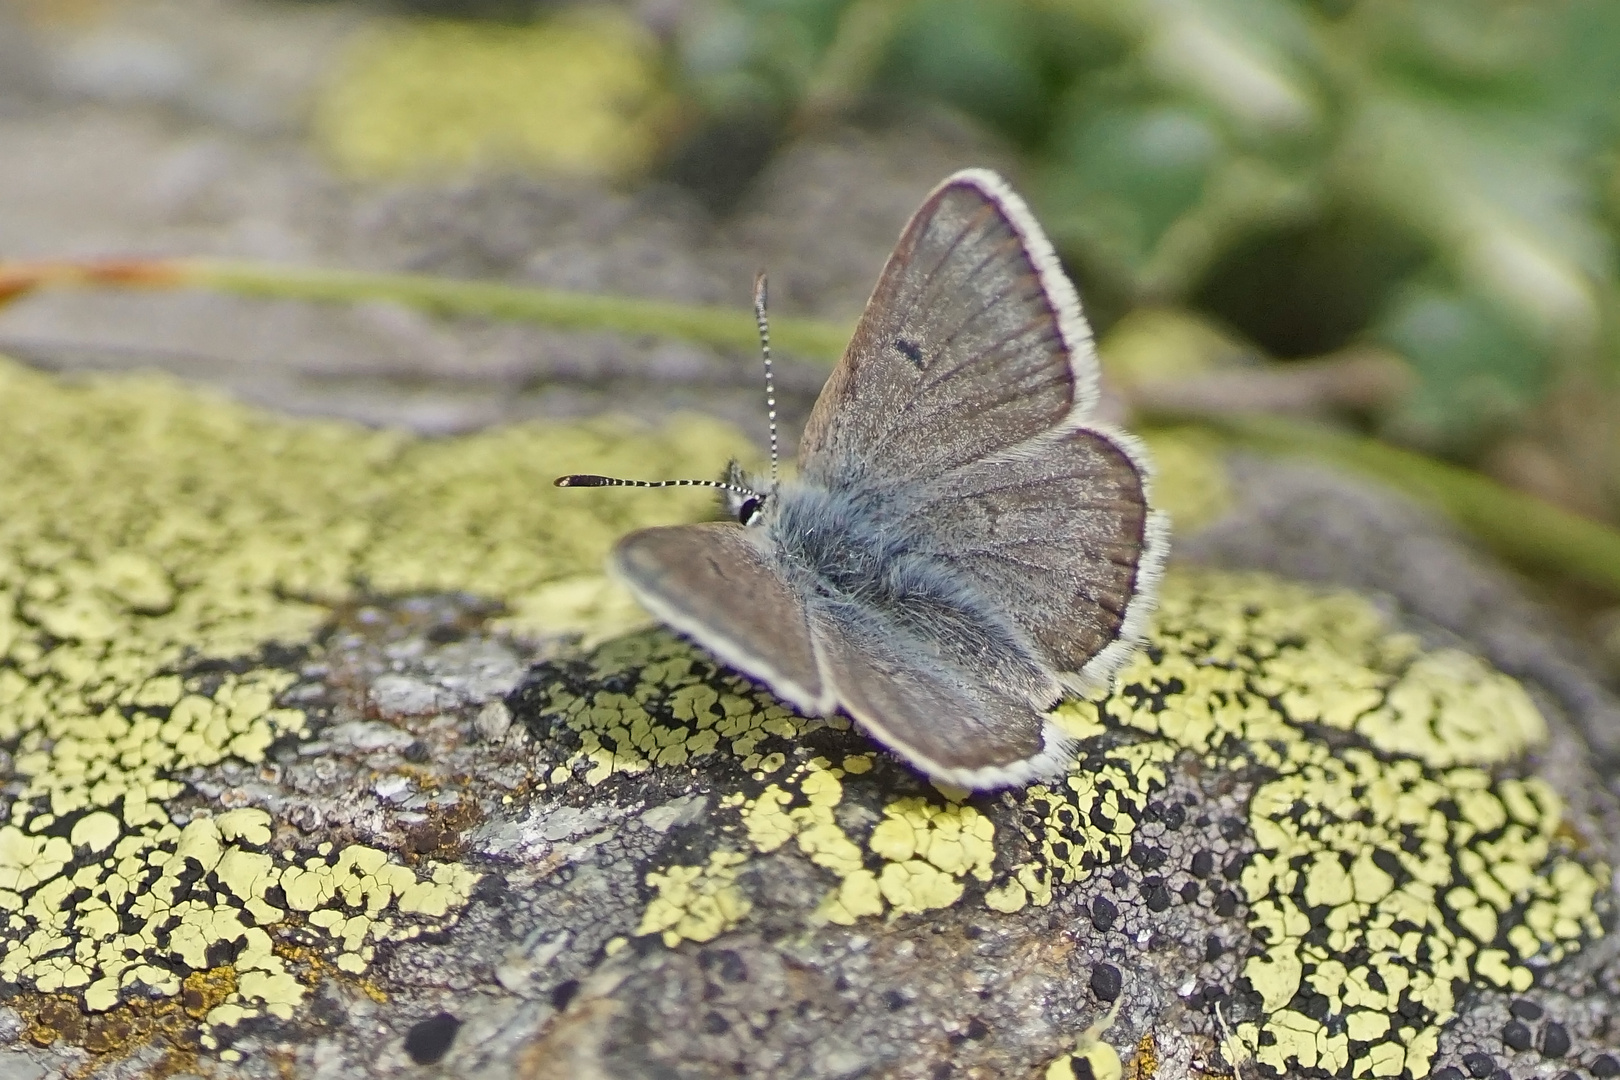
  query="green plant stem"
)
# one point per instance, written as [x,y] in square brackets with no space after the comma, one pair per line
[731,328]
[1521,528]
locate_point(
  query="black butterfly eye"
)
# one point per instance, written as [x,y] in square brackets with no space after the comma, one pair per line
[746,512]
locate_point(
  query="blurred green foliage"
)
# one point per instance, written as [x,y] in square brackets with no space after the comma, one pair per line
[1439,178]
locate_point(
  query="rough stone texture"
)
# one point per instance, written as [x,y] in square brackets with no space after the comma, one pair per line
[383,834]
[652,901]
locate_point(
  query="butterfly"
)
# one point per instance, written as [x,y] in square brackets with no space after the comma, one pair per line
[964,543]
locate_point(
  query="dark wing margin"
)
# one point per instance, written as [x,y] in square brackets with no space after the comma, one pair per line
[972,342]
[711,583]
[953,726]
[1061,527]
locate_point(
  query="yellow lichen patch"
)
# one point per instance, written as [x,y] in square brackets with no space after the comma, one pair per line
[954,839]
[1400,853]
[801,809]
[144,528]
[1086,819]
[924,851]
[914,886]
[174,895]
[1091,1058]
[694,713]
[1391,870]
[696,903]
[1392,866]
[165,1020]
[577,93]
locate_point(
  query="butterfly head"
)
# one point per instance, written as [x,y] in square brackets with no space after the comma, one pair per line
[742,497]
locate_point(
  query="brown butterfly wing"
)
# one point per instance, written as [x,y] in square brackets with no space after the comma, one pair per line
[972,342]
[1062,528]
[953,725]
[966,393]
[712,583]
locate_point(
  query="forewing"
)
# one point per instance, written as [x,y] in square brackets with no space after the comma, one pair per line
[953,725]
[1061,529]
[972,342]
[710,582]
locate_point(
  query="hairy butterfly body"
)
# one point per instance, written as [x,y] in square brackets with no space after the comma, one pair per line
[963,543]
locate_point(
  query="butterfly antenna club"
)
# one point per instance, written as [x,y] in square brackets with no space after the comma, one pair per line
[770,378]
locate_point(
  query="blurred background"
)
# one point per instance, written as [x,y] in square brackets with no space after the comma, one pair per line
[1397,216]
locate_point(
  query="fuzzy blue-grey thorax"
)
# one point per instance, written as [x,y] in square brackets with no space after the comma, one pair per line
[859,556]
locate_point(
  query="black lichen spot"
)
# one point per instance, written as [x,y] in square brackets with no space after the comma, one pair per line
[221,953]
[910,350]
[563,994]
[715,1024]
[1213,949]
[429,1040]
[732,968]
[1103,914]
[1516,1036]
[1158,897]
[1389,863]
[1568,1075]
[492,889]
[1450,1072]
[1106,982]
[445,633]
[1605,1066]
[977,1029]
[1203,864]
[1147,857]
[1226,904]
[1479,1065]
[1189,892]
[894,1000]
[417,752]
[1525,1010]
[1555,1041]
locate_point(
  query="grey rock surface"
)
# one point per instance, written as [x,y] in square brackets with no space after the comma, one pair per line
[432,738]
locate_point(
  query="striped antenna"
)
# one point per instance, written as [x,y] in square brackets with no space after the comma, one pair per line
[770,379]
[592,480]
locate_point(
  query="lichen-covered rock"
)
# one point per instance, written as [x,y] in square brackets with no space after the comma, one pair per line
[332,754]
